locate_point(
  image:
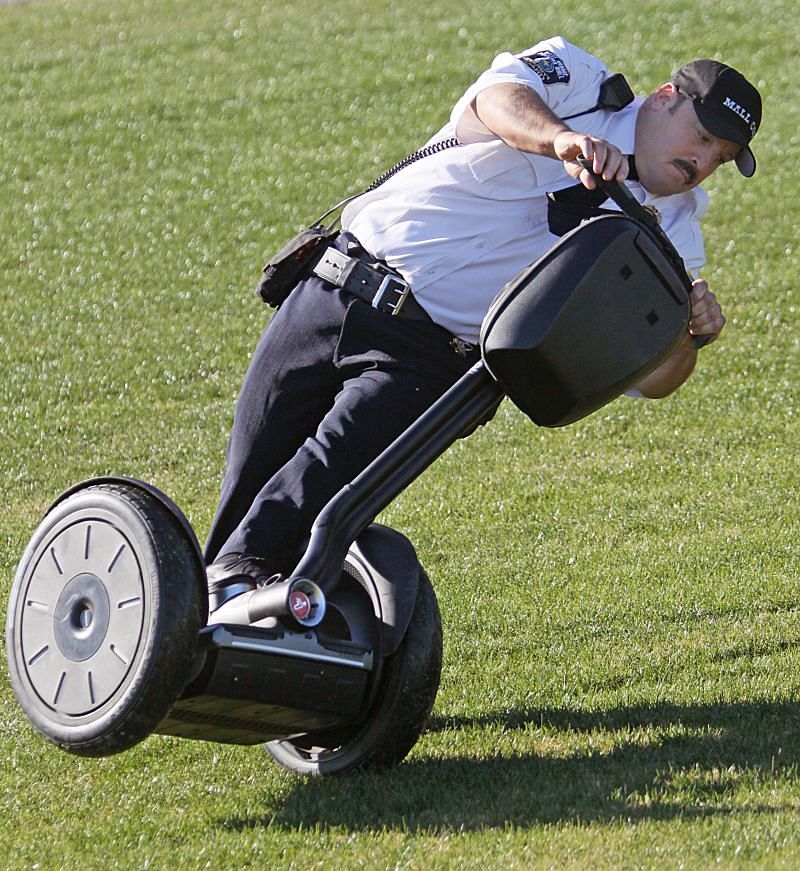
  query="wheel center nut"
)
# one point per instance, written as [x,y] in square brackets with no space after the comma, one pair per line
[84,615]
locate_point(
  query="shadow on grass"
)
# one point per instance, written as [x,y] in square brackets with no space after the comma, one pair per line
[688,763]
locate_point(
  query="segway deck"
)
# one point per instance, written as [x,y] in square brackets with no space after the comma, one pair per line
[257,684]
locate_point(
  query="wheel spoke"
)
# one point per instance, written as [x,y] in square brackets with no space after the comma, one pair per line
[117,555]
[55,561]
[38,655]
[58,688]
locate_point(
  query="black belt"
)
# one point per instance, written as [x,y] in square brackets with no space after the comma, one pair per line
[371,281]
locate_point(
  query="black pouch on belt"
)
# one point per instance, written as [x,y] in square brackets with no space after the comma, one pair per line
[293,263]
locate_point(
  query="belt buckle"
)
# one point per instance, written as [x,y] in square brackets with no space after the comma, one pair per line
[391,295]
[462,348]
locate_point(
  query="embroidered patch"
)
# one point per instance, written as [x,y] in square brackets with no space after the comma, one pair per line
[548,66]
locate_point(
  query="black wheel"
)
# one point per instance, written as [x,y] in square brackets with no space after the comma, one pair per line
[103,618]
[408,681]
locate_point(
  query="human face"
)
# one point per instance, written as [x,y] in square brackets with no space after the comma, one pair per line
[674,152]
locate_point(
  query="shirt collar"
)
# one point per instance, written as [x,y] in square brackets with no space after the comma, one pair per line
[622,127]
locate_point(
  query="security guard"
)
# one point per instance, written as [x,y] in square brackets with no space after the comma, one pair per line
[391,317]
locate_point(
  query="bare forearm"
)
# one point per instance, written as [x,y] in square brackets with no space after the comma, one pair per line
[518,115]
[669,376]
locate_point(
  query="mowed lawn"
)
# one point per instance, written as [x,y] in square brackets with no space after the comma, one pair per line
[620,597]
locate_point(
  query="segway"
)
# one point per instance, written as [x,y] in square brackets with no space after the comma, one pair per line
[110,632]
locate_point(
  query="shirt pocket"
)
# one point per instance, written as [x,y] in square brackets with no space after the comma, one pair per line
[496,162]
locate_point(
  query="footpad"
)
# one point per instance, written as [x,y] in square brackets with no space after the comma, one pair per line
[258,684]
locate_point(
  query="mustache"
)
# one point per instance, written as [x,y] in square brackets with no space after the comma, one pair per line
[687,168]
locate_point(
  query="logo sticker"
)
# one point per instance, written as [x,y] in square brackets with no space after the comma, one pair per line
[299,605]
[548,66]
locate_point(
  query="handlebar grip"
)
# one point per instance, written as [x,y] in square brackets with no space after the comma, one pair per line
[620,193]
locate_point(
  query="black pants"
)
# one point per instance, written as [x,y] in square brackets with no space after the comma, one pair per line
[331,384]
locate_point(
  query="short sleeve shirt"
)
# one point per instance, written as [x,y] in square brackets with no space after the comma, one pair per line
[459,224]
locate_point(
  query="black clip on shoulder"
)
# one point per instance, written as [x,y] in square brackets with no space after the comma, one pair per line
[621,195]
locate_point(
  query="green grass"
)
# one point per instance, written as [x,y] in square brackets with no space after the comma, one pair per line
[620,598]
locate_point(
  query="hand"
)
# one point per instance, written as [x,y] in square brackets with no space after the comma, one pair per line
[607,160]
[707,318]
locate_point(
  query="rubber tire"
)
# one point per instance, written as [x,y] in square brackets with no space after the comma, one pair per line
[408,683]
[165,566]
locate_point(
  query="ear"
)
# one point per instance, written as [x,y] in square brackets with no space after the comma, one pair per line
[664,96]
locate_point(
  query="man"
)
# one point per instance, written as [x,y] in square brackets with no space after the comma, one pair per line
[334,380]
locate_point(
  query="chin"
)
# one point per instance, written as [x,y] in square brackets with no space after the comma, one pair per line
[662,187]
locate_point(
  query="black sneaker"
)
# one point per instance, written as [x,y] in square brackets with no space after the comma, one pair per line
[236,573]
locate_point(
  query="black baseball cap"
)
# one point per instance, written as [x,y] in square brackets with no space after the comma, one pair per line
[727,105]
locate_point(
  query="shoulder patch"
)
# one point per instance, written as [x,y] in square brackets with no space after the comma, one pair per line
[548,66]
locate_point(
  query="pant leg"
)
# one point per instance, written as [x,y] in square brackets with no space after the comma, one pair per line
[391,371]
[291,383]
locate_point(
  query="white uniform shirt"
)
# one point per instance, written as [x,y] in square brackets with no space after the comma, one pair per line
[459,224]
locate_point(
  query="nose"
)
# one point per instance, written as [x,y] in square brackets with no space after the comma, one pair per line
[704,161]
